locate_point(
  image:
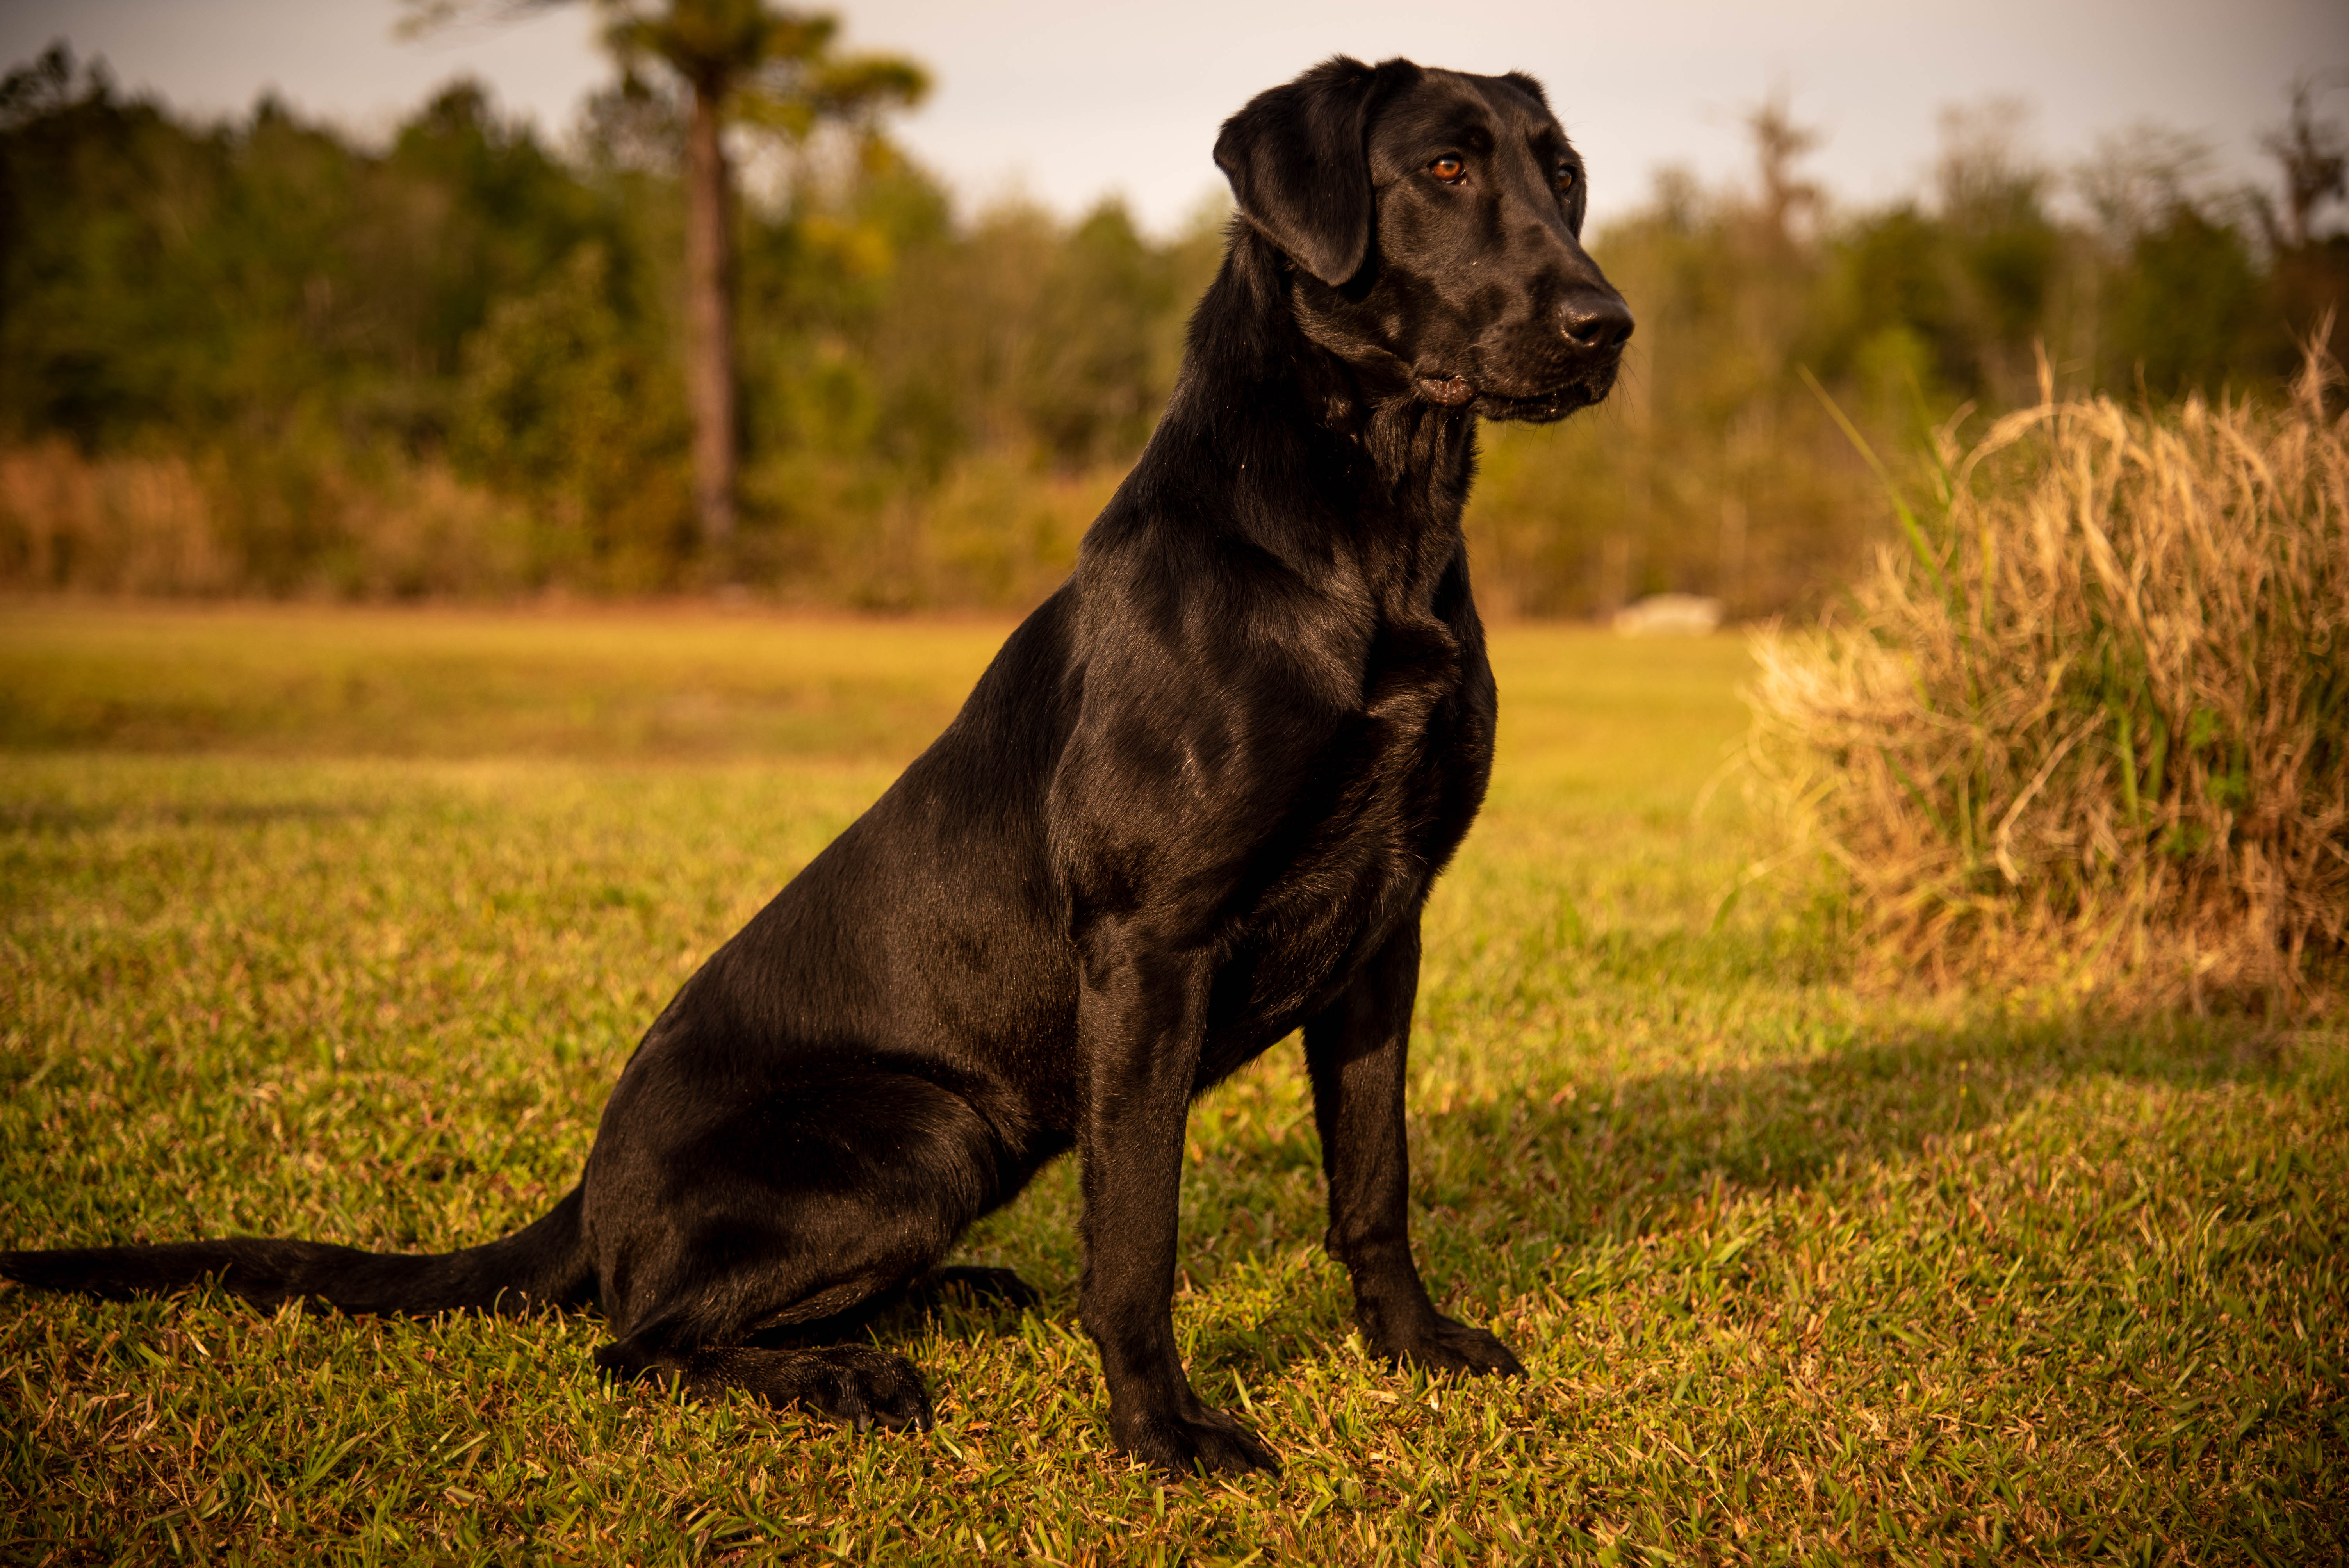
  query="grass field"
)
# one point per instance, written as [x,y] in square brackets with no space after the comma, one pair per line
[340,925]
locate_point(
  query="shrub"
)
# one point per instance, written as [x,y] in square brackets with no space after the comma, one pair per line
[2091,726]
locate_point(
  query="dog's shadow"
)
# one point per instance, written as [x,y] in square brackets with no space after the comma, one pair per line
[1508,1194]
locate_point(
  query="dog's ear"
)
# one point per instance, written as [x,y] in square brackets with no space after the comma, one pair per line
[1528,86]
[1299,166]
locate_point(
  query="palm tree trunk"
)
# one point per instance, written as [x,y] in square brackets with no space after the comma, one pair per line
[710,330]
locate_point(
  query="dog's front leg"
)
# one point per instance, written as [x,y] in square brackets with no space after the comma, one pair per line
[1140,1014]
[1357,1051]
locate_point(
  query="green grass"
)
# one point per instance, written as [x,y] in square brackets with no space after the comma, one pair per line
[341,925]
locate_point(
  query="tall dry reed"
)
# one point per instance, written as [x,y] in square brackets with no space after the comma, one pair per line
[2091,726]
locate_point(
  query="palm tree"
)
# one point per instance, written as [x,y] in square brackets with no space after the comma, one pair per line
[739,62]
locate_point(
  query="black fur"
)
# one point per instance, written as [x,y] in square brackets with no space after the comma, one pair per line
[1195,803]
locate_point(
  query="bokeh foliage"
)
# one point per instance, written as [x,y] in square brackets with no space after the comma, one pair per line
[263,355]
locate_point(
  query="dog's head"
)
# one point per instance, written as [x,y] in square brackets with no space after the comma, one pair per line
[1435,221]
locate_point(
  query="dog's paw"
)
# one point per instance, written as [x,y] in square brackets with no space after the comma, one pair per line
[1206,1441]
[1450,1345]
[852,1384]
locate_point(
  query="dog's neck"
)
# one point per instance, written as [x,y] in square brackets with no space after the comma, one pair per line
[1347,417]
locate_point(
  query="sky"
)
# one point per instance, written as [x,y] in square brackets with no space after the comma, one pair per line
[1068,102]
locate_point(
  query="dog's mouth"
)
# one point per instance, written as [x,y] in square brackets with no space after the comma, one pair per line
[1539,407]
[1544,408]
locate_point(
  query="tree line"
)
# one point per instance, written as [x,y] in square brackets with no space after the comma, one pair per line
[263,355]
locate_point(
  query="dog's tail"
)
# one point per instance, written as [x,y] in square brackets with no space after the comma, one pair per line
[546,1263]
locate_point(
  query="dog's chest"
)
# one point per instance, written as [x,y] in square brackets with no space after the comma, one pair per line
[1392,793]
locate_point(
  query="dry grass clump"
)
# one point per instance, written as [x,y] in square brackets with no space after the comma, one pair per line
[225,524]
[999,529]
[135,525]
[2093,727]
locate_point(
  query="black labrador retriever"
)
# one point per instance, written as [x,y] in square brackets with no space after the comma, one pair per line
[1196,803]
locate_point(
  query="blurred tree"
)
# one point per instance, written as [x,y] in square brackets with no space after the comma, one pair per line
[501,213]
[555,403]
[747,63]
[2186,308]
[1892,313]
[1783,198]
[2309,280]
[2004,250]
[154,273]
[1085,386]
[2315,159]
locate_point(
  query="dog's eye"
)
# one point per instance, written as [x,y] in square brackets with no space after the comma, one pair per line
[1448,168]
[1565,178]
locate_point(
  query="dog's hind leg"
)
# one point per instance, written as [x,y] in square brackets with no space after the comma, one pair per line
[782,1214]
[995,1286]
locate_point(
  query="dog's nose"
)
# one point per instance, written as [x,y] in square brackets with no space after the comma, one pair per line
[1596,321]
